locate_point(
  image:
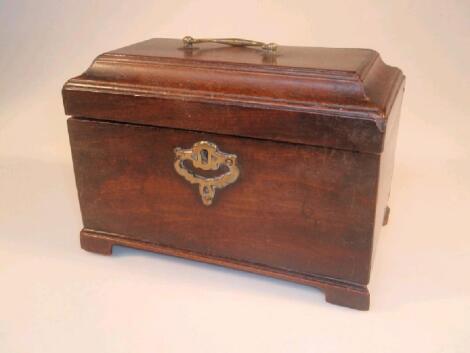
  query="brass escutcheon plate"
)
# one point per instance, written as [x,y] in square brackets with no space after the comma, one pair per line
[206,155]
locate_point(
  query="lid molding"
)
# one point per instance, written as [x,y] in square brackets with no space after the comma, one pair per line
[345,83]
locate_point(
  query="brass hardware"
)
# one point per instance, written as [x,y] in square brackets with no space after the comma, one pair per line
[206,156]
[236,42]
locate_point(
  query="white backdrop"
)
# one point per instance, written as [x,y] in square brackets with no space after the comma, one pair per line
[55,297]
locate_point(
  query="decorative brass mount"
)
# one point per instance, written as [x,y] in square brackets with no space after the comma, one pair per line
[206,156]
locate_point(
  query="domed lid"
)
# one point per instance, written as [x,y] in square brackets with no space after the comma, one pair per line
[292,94]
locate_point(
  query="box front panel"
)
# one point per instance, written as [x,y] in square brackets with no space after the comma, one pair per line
[304,209]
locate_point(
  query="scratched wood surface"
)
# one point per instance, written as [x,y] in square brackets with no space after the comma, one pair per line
[318,96]
[314,130]
[305,209]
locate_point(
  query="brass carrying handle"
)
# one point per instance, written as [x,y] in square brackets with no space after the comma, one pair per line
[235,42]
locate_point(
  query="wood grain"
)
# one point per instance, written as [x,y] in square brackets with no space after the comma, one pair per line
[314,130]
[316,203]
[317,96]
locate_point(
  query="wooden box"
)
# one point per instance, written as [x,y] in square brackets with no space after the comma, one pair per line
[276,161]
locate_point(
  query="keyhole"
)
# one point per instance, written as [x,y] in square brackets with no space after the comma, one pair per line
[204,156]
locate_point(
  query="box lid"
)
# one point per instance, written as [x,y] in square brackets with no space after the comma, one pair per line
[338,98]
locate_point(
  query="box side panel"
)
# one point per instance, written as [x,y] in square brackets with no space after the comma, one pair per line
[308,210]
[387,160]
